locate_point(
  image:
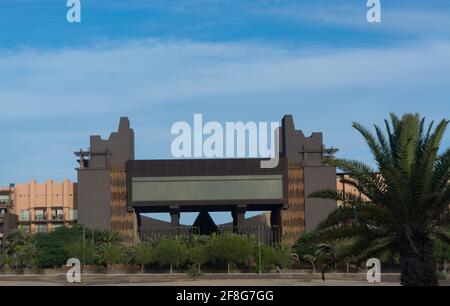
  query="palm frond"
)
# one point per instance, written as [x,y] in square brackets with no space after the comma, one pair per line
[441,173]
[443,236]
[377,150]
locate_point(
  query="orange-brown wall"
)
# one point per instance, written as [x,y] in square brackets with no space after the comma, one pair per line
[31,196]
[346,189]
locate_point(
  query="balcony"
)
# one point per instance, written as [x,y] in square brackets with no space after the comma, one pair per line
[58,218]
[41,219]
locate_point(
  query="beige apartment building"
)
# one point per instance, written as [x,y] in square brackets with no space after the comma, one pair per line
[345,188]
[43,207]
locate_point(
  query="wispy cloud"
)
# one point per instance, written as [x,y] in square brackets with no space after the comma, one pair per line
[128,75]
[400,18]
[51,100]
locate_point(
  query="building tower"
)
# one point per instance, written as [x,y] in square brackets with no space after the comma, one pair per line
[102,183]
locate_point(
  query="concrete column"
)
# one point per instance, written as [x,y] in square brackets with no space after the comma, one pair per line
[175,216]
[275,223]
[239,215]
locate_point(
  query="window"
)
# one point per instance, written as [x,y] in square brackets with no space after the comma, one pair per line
[57,214]
[73,215]
[4,199]
[3,211]
[24,215]
[41,228]
[41,215]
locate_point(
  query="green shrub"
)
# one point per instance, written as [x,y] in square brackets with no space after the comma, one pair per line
[85,252]
[107,237]
[21,250]
[2,262]
[169,252]
[108,254]
[63,243]
[143,255]
[197,255]
[194,272]
[52,252]
[229,249]
[282,257]
[266,260]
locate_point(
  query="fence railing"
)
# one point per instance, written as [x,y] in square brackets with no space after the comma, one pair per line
[153,234]
[266,234]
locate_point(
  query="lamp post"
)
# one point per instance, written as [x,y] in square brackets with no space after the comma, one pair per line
[259,248]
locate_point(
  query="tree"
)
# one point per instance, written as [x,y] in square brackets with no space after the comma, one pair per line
[21,250]
[170,252]
[442,252]
[283,256]
[108,250]
[230,249]
[198,256]
[316,254]
[408,192]
[143,255]
[108,254]
[63,243]
[108,237]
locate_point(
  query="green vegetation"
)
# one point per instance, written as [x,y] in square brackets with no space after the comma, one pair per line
[170,253]
[409,192]
[399,219]
[283,257]
[143,255]
[104,249]
[21,251]
[442,254]
[229,250]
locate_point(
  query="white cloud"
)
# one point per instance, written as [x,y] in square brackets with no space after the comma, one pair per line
[128,75]
[429,23]
[52,100]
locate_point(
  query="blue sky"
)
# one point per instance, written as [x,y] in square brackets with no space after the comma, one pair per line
[162,61]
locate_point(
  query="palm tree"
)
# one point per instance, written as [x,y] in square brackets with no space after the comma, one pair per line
[409,192]
[108,236]
[108,249]
[20,249]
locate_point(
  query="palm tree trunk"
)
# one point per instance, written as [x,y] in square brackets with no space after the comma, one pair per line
[417,263]
[314,267]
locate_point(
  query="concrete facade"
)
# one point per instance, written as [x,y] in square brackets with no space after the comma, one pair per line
[101,182]
[113,188]
[43,207]
[305,156]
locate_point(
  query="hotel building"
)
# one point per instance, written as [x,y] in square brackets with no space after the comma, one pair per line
[43,207]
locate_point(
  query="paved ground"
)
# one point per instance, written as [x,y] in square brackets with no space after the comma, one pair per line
[333,279]
[258,282]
